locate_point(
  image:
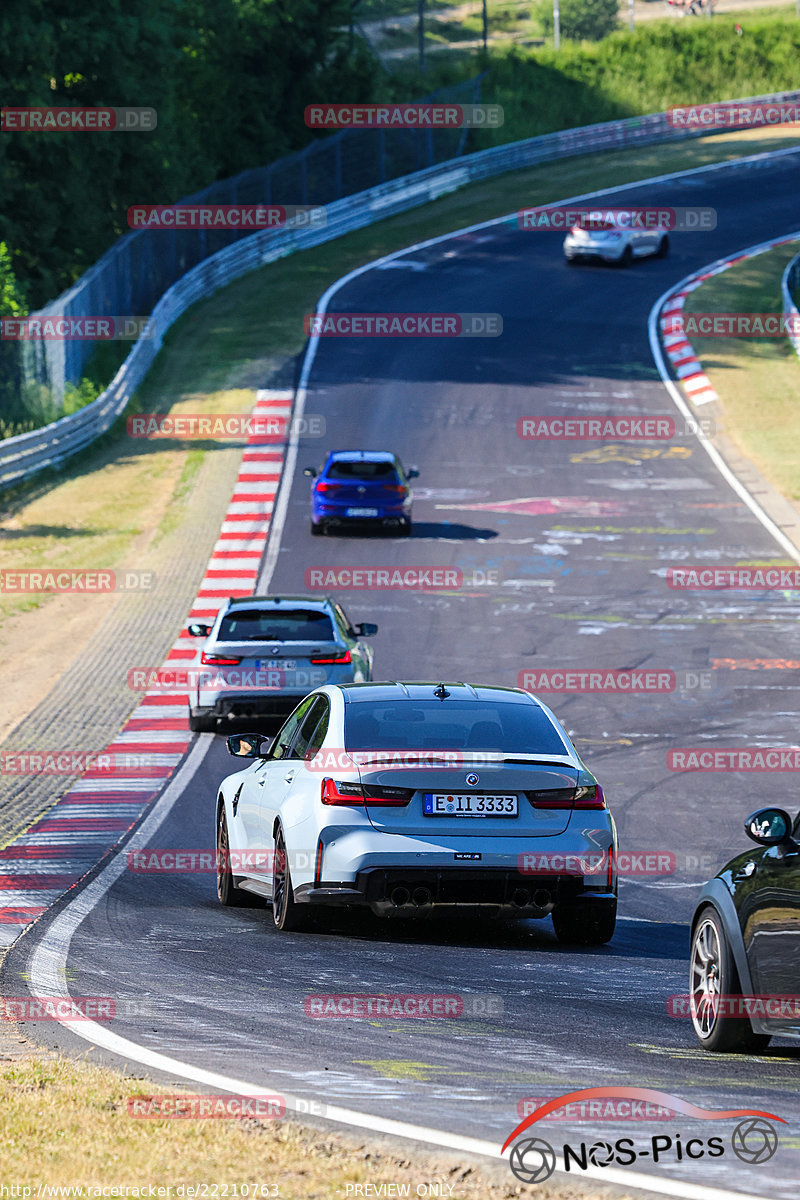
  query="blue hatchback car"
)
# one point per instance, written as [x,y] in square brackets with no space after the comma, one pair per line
[361,488]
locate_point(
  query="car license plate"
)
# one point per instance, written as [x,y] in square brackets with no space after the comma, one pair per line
[362,512]
[454,804]
[275,664]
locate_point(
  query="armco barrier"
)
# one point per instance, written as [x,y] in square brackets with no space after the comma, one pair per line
[24,455]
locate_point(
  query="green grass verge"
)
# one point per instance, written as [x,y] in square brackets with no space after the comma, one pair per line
[660,64]
[757,379]
[67,1124]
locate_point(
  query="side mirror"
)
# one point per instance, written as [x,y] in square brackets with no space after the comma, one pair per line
[248,745]
[413,472]
[196,630]
[311,472]
[769,827]
[366,629]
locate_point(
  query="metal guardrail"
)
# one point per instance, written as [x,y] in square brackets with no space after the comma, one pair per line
[790,284]
[24,455]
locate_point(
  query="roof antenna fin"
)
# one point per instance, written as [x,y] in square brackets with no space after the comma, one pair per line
[441,692]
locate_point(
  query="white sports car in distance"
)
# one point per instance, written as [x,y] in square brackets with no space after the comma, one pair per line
[405,797]
[607,241]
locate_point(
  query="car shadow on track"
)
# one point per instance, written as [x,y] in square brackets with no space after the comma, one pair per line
[420,531]
[632,939]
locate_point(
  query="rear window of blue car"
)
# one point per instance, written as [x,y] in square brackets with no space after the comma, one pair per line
[451,725]
[369,472]
[275,625]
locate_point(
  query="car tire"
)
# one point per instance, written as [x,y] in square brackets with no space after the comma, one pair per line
[286,913]
[202,723]
[572,262]
[405,529]
[228,894]
[585,924]
[317,530]
[663,247]
[712,972]
[626,258]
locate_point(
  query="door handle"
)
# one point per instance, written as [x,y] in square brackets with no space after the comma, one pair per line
[289,776]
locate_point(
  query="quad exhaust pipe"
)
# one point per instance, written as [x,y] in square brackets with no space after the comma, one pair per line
[541,898]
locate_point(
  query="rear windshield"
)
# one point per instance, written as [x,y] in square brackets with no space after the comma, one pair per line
[275,625]
[383,472]
[451,725]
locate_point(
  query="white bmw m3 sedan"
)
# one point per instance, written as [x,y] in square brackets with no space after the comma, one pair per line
[409,797]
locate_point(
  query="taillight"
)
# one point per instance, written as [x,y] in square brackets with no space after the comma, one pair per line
[218,660]
[396,487]
[335,658]
[580,797]
[341,794]
[552,798]
[321,486]
[390,796]
[590,797]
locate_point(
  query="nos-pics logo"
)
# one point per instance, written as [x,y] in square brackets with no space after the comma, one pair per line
[533,1159]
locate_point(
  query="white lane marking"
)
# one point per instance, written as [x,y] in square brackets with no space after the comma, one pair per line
[683,408]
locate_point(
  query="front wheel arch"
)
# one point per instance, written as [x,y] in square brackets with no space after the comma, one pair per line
[725,1032]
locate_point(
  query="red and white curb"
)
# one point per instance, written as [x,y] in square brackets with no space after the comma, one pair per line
[64,844]
[677,347]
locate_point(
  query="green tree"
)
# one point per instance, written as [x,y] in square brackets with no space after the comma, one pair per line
[229,80]
[12,304]
[580,20]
